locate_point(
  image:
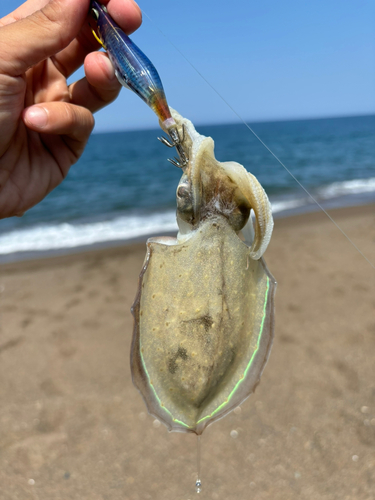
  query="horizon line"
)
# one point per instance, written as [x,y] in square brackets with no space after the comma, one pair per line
[238,122]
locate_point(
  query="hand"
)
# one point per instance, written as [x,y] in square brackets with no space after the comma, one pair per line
[44,123]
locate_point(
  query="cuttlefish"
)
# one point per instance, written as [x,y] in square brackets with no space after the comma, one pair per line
[204,310]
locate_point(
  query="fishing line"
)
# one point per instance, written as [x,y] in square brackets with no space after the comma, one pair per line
[260,140]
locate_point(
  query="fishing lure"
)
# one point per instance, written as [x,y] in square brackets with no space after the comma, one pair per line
[135,71]
[204,312]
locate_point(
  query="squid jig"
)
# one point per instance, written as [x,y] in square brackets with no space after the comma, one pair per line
[135,71]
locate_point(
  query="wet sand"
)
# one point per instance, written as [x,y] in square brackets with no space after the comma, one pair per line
[72,426]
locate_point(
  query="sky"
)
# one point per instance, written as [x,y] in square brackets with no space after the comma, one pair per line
[269,59]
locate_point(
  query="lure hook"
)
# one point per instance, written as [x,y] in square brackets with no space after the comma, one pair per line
[176,141]
[175,161]
[166,142]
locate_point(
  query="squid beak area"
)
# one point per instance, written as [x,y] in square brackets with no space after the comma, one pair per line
[221,195]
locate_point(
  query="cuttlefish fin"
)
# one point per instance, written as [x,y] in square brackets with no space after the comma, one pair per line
[259,202]
[263,216]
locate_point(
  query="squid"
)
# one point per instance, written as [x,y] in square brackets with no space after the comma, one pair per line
[204,309]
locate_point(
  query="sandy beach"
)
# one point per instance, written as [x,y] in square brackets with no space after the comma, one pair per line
[73,427]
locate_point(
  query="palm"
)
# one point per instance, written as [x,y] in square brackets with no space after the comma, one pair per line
[34,160]
[35,163]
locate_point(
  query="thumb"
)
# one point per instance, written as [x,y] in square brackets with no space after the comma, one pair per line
[28,41]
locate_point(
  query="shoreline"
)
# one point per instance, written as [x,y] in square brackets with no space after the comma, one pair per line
[292,218]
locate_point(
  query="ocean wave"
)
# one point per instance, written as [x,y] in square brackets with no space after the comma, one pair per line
[65,235]
[283,205]
[60,236]
[355,186]
[126,227]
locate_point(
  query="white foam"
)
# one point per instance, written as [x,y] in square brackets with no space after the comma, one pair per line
[280,206]
[356,186]
[59,236]
[66,235]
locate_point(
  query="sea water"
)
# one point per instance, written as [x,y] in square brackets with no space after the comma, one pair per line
[123,187]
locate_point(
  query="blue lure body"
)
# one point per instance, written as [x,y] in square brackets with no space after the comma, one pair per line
[133,68]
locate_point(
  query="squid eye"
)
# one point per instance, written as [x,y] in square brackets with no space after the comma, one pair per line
[95,14]
[183,191]
[184,201]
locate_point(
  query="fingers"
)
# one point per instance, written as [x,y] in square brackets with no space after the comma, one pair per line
[60,118]
[58,29]
[100,87]
[125,12]
[24,10]
[64,130]
[28,41]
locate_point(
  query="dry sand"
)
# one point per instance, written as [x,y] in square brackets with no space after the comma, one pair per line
[72,426]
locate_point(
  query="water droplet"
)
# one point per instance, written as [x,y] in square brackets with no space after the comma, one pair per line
[198,486]
[234,434]
[355,458]
[31,482]
[297,475]
[364,409]
[237,410]
[156,423]
[142,415]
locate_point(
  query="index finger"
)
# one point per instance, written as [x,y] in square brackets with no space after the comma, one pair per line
[47,31]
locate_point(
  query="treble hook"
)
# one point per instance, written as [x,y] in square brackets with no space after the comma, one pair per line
[175,161]
[176,142]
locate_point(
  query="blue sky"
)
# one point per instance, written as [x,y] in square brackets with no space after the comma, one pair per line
[270,59]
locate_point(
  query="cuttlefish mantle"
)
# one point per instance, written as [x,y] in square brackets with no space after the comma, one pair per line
[204,311]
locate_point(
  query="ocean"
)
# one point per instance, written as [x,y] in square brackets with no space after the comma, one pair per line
[123,188]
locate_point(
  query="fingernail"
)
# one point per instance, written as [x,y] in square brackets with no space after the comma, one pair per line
[36,116]
[108,68]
